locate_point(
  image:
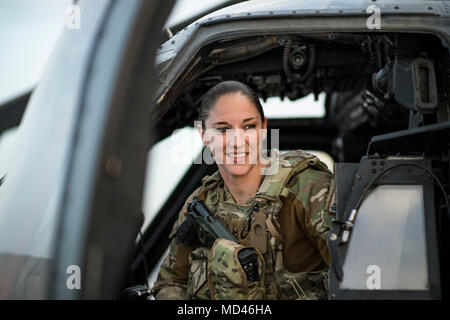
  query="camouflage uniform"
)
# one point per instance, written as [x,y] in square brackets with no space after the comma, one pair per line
[292,213]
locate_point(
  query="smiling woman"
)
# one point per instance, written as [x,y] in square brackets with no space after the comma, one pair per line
[232,118]
[257,206]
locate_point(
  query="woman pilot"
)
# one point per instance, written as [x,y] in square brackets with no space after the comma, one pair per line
[281,207]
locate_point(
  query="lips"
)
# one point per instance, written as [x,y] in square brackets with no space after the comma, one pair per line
[237,157]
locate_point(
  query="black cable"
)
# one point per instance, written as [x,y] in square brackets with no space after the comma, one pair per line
[367,189]
[248,221]
[144,258]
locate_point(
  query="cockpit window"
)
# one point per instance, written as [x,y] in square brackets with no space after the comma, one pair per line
[168,161]
[306,107]
[398,259]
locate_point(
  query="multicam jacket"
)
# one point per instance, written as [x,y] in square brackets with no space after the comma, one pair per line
[292,212]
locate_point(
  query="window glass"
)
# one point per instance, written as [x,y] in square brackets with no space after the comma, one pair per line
[185,9]
[387,249]
[306,107]
[169,160]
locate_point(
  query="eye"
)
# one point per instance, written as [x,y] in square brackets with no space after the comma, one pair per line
[249,126]
[222,130]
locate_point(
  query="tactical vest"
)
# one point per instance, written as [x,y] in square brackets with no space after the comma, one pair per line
[264,233]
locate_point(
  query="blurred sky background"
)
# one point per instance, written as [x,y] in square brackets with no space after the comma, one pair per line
[29,30]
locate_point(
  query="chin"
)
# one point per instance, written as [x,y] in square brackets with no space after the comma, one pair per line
[237,170]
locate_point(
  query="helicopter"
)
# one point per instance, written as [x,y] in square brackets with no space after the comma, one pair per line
[74,193]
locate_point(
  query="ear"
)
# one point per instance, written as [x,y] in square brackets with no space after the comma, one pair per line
[200,130]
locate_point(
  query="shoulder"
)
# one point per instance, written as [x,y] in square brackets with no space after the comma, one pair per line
[292,170]
[295,156]
[208,182]
[313,183]
[307,170]
[314,192]
[300,159]
[195,193]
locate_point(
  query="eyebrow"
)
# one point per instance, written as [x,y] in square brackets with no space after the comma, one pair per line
[224,122]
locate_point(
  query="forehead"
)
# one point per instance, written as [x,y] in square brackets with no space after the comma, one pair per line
[232,107]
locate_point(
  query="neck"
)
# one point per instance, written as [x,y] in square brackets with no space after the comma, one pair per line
[243,187]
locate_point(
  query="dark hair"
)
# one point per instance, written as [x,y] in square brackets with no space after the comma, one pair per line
[212,95]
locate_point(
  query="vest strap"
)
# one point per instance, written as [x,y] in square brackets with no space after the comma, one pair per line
[274,230]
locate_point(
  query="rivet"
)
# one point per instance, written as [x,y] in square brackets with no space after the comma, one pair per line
[333,237]
[113,167]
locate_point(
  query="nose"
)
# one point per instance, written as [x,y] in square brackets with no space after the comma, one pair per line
[236,140]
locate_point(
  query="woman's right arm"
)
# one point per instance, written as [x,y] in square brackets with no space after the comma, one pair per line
[171,283]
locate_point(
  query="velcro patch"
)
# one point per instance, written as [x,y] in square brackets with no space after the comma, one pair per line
[198,277]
